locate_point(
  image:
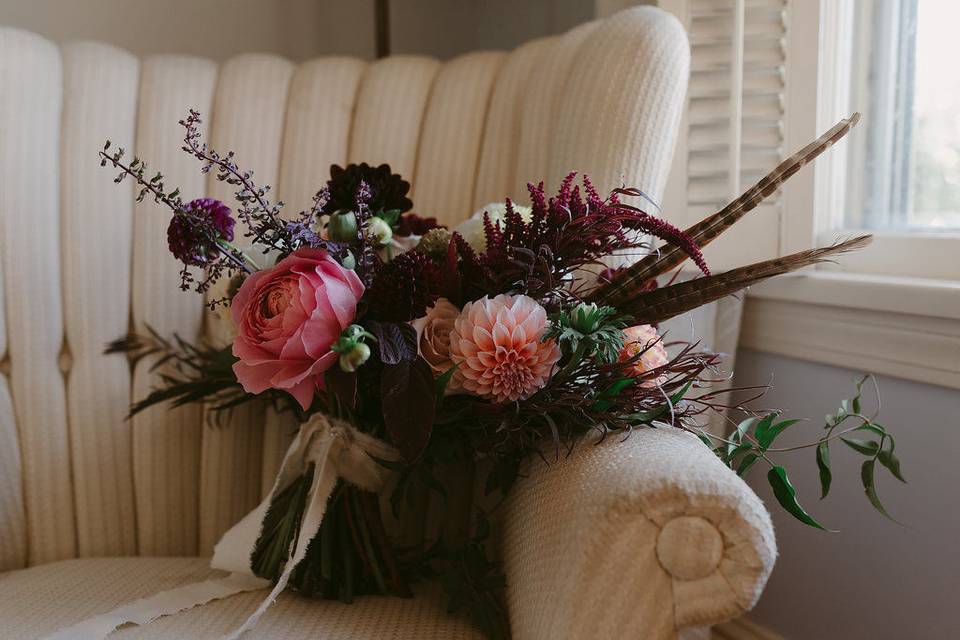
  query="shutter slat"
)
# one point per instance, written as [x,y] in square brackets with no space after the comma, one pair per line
[711,30]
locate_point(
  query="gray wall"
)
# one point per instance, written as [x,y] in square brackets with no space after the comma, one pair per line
[445,28]
[297,29]
[217,29]
[874,579]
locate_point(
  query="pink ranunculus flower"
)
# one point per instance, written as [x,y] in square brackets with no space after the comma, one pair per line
[496,343]
[644,340]
[287,318]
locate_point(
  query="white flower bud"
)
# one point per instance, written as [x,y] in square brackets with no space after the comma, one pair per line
[472,228]
[379,231]
[351,360]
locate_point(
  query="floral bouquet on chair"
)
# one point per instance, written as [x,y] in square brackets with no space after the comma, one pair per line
[404,348]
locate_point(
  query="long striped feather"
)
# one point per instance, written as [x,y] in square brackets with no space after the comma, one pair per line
[628,282]
[661,304]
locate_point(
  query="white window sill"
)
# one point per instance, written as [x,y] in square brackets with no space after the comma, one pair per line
[903,327]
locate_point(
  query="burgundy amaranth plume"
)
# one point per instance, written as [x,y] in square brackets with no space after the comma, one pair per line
[571,230]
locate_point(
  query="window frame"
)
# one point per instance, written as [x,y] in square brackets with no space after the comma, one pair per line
[894,253]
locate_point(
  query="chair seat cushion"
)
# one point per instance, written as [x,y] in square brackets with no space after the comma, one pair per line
[43,599]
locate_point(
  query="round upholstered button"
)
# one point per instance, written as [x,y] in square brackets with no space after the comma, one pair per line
[689,548]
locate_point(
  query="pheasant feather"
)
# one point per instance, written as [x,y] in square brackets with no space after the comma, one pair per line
[661,304]
[630,281]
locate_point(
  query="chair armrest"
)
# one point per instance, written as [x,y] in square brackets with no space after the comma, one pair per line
[633,539]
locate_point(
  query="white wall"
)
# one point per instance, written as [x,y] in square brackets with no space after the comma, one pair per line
[874,579]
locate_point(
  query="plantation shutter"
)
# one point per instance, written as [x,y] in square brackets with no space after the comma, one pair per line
[733,129]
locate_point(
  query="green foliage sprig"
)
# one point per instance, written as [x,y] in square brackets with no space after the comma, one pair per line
[753,440]
[192,372]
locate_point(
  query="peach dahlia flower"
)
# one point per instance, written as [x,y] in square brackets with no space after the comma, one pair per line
[496,344]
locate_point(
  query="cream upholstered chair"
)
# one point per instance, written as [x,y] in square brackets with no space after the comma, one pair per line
[624,540]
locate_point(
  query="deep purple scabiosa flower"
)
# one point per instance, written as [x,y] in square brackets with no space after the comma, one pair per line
[195,230]
[405,287]
[410,224]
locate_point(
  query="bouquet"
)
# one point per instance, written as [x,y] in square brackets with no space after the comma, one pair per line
[406,348]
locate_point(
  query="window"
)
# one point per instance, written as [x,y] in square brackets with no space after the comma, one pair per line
[769,76]
[903,169]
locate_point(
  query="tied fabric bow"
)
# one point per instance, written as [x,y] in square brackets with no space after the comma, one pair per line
[336,450]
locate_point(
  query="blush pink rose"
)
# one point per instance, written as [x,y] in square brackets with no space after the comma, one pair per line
[643,340]
[287,318]
[433,335]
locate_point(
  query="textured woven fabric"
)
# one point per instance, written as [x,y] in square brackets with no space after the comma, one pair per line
[41,600]
[29,216]
[98,393]
[166,442]
[581,536]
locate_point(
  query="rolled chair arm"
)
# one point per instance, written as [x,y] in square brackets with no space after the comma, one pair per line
[633,539]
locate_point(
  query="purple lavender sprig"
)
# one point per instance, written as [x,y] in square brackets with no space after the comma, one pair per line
[261,217]
[219,258]
[367,259]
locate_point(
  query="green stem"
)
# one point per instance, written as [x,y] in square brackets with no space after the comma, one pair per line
[368,545]
[347,554]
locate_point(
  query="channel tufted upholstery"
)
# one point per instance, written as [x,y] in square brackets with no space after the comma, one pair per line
[83,491]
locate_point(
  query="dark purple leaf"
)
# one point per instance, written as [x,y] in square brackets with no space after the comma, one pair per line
[343,385]
[396,341]
[408,402]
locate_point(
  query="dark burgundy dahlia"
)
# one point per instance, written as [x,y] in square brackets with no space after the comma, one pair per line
[388,191]
[195,230]
[411,224]
[405,287]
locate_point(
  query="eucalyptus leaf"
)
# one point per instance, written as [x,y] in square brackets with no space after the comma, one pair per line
[786,495]
[768,435]
[742,429]
[873,427]
[892,463]
[866,447]
[866,477]
[745,427]
[736,451]
[764,424]
[746,463]
[823,464]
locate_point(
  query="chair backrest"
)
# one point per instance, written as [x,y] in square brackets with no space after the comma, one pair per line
[82,264]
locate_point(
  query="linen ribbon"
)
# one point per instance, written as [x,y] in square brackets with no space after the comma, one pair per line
[336,450]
